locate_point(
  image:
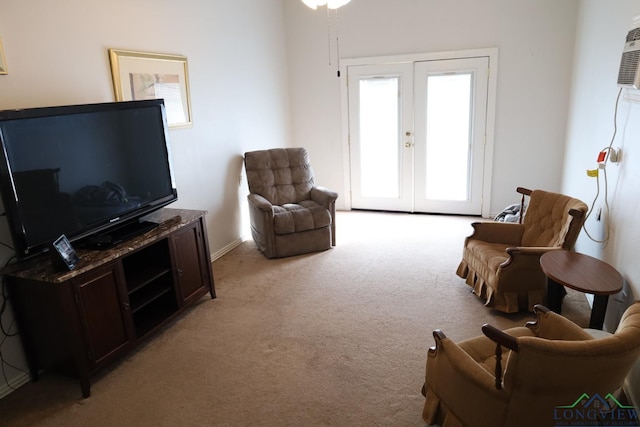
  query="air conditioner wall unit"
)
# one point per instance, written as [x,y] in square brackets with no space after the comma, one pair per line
[629,72]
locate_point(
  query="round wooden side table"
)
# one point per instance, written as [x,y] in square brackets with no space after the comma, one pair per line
[584,274]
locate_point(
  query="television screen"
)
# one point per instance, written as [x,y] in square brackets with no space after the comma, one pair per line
[78,170]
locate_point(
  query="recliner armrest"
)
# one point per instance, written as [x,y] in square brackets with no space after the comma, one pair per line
[323,196]
[260,202]
[497,232]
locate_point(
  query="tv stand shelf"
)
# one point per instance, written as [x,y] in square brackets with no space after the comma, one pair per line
[85,318]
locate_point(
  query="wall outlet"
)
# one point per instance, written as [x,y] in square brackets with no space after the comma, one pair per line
[614,155]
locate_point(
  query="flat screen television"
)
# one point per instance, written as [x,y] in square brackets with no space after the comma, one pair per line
[83,171]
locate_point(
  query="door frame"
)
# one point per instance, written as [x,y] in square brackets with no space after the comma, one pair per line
[491,53]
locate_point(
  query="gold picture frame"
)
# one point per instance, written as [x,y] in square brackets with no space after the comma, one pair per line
[141,75]
[3,62]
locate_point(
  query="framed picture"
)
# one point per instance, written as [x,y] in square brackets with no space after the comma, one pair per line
[140,75]
[3,63]
[63,255]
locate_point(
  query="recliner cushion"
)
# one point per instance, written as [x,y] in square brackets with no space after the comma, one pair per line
[303,216]
[280,175]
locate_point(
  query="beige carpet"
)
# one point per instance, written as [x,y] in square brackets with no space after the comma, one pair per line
[336,338]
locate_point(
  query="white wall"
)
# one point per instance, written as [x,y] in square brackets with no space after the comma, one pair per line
[542,103]
[240,85]
[602,29]
[56,54]
[536,44]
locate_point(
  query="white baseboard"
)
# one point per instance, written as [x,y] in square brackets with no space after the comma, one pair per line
[14,383]
[231,246]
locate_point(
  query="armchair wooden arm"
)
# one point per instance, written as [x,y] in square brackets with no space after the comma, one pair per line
[552,326]
[576,213]
[456,359]
[527,251]
[533,250]
[524,192]
[438,335]
[508,233]
[502,340]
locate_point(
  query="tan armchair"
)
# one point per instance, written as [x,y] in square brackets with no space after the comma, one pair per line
[501,260]
[289,214]
[546,368]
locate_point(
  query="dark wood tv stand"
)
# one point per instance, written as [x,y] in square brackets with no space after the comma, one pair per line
[83,319]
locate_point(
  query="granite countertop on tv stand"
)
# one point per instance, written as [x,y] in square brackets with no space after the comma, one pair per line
[40,268]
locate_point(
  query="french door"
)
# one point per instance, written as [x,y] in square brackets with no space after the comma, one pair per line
[417,135]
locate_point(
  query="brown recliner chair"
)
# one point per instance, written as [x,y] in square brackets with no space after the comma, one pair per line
[554,372]
[289,214]
[501,261]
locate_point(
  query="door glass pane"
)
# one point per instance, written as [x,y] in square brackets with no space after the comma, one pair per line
[379,133]
[448,136]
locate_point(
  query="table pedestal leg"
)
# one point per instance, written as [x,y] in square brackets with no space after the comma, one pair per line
[598,311]
[555,294]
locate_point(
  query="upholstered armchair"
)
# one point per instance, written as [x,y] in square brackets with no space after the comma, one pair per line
[529,376]
[289,214]
[501,260]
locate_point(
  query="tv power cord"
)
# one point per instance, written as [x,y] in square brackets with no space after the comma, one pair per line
[607,154]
